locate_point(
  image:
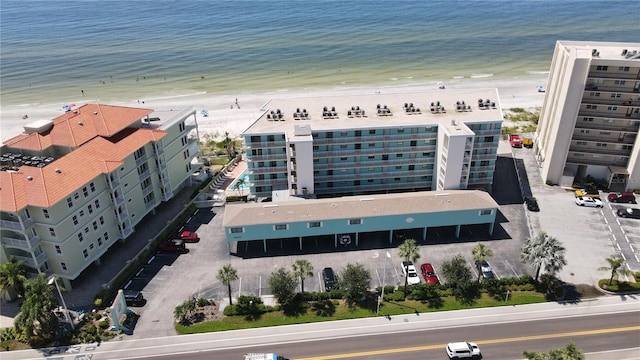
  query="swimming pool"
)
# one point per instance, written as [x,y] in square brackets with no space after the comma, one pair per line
[244,186]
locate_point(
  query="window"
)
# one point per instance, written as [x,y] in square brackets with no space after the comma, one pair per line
[581,143]
[616,95]
[92,186]
[355,221]
[623,68]
[69,203]
[372,132]
[80,237]
[85,253]
[602,68]
[280,227]
[63,266]
[181,127]
[97,203]
[75,220]
[52,232]
[601,145]
[106,236]
[81,213]
[85,191]
[58,250]
[99,241]
[45,213]
[486,212]
[101,219]
[95,225]
[237,230]
[589,119]
[612,108]
[620,82]
[592,107]
[91,246]
[90,209]
[86,230]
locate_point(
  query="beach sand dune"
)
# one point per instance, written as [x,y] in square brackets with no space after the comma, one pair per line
[224,115]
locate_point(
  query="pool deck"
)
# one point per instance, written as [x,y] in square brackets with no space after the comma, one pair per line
[231,177]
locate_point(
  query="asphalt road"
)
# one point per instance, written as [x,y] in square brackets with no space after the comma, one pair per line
[595,325]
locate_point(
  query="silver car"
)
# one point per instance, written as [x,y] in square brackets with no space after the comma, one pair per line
[588,202]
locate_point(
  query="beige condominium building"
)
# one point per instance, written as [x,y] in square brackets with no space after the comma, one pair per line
[591,113]
[72,186]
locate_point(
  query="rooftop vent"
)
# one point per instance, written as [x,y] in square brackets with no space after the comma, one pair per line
[29,177]
[58,171]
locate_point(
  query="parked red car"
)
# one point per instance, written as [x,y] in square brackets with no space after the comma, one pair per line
[174,245]
[189,236]
[623,197]
[515,141]
[429,274]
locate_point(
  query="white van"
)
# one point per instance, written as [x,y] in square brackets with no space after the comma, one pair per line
[463,350]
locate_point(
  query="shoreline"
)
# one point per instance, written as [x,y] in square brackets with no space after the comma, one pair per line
[224,116]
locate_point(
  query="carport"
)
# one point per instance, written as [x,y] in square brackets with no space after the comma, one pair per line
[357,216]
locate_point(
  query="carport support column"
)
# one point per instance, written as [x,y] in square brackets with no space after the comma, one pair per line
[424,234]
[264,242]
[335,240]
[457,231]
[491,224]
[300,238]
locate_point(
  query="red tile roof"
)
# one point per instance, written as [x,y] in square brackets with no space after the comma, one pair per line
[74,128]
[86,129]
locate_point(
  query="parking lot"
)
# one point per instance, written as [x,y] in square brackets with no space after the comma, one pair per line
[587,233]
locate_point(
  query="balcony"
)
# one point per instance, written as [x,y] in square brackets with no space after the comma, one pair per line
[482,169]
[268,170]
[141,160]
[267,157]
[604,139]
[374,151]
[382,188]
[373,175]
[374,163]
[266,144]
[15,224]
[599,150]
[374,138]
[487,132]
[484,145]
[605,161]
[476,157]
[605,125]
[23,244]
[28,260]
[476,181]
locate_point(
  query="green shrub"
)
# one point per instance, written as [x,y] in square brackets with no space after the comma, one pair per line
[104,324]
[395,296]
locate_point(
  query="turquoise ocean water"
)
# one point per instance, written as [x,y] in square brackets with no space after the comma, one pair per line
[51,51]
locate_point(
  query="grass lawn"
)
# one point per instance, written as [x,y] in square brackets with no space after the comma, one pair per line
[342,312]
[619,286]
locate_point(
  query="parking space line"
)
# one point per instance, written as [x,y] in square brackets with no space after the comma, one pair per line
[627,238]
[510,267]
[614,237]
[140,271]
[618,246]
[189,219]
[636,256]
[128,283]
[151,259]
[622,229]
[378,276]
[609,227]
[623,257]
[240,285]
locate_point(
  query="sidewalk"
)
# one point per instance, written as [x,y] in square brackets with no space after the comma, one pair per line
[361,327]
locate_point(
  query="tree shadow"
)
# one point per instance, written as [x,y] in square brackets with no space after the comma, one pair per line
[295,308]
[324,308]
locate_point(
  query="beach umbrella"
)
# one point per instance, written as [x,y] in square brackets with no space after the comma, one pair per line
[440,85]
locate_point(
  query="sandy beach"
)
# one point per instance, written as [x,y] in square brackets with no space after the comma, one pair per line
[225,116]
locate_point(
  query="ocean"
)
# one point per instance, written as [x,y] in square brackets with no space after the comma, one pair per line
[53,51]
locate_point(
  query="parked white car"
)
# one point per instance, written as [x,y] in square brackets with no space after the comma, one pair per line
[408,267]
[588,202]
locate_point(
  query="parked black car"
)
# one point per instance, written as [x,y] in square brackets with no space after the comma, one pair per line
[532,204]
[134,298]
[329,279]
[629,213]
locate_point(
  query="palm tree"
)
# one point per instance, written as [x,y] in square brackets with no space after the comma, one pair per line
[301,269]
[36,315]
[481,253]
[226,275]
[544,250]
[616,268]
[12,279]
[408,251]
[239,185]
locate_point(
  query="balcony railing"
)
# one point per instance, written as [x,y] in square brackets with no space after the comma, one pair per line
[603,139]
[28,260]
[266,144]
[418,162]
[374,138]
[475,157]
[613,126]
[585,160]
[599,150]
[15,224]
[21,243]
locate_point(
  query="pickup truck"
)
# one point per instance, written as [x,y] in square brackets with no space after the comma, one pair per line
[515,141]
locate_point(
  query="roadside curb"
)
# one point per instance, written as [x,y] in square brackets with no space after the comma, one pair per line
[607,292]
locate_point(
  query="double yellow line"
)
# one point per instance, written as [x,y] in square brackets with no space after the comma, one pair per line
[481,342]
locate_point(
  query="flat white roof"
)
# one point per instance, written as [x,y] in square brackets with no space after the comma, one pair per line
[395,102]
[247,214]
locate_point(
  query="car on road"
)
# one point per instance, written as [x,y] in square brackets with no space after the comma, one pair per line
[463,350]
[174,245]
[592,193]
[532,204]
[429,274]
[189,236]
[408,267]
[629,213]
[329,278]
[588,202]
[622,197]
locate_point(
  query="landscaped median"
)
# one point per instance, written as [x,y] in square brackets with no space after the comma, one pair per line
[250,312]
